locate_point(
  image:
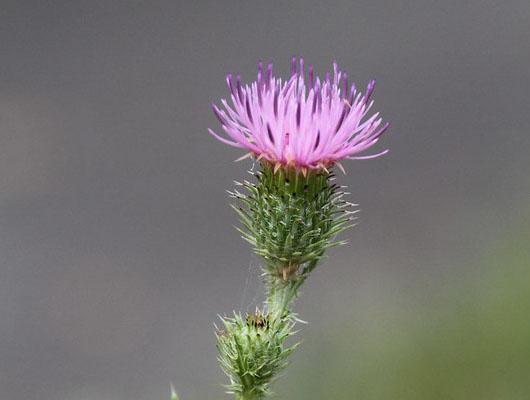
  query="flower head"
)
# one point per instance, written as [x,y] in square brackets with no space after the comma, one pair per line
[300,123]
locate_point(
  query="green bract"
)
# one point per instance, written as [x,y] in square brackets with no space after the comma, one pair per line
[290,219]
[252,351]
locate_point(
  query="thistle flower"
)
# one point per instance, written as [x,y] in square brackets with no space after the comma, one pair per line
[293,210]
[305,124]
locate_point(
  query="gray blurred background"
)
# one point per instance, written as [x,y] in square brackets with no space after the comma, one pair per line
[117,249]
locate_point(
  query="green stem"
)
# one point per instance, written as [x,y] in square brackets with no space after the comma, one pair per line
[280,284]
[280,295]
[248,396]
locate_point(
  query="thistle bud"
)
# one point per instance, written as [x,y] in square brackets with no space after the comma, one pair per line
[252,350]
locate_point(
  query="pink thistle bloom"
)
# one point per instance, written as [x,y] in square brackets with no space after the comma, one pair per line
[306,124]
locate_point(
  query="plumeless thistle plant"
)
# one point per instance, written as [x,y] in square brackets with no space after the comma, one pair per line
[298,130]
